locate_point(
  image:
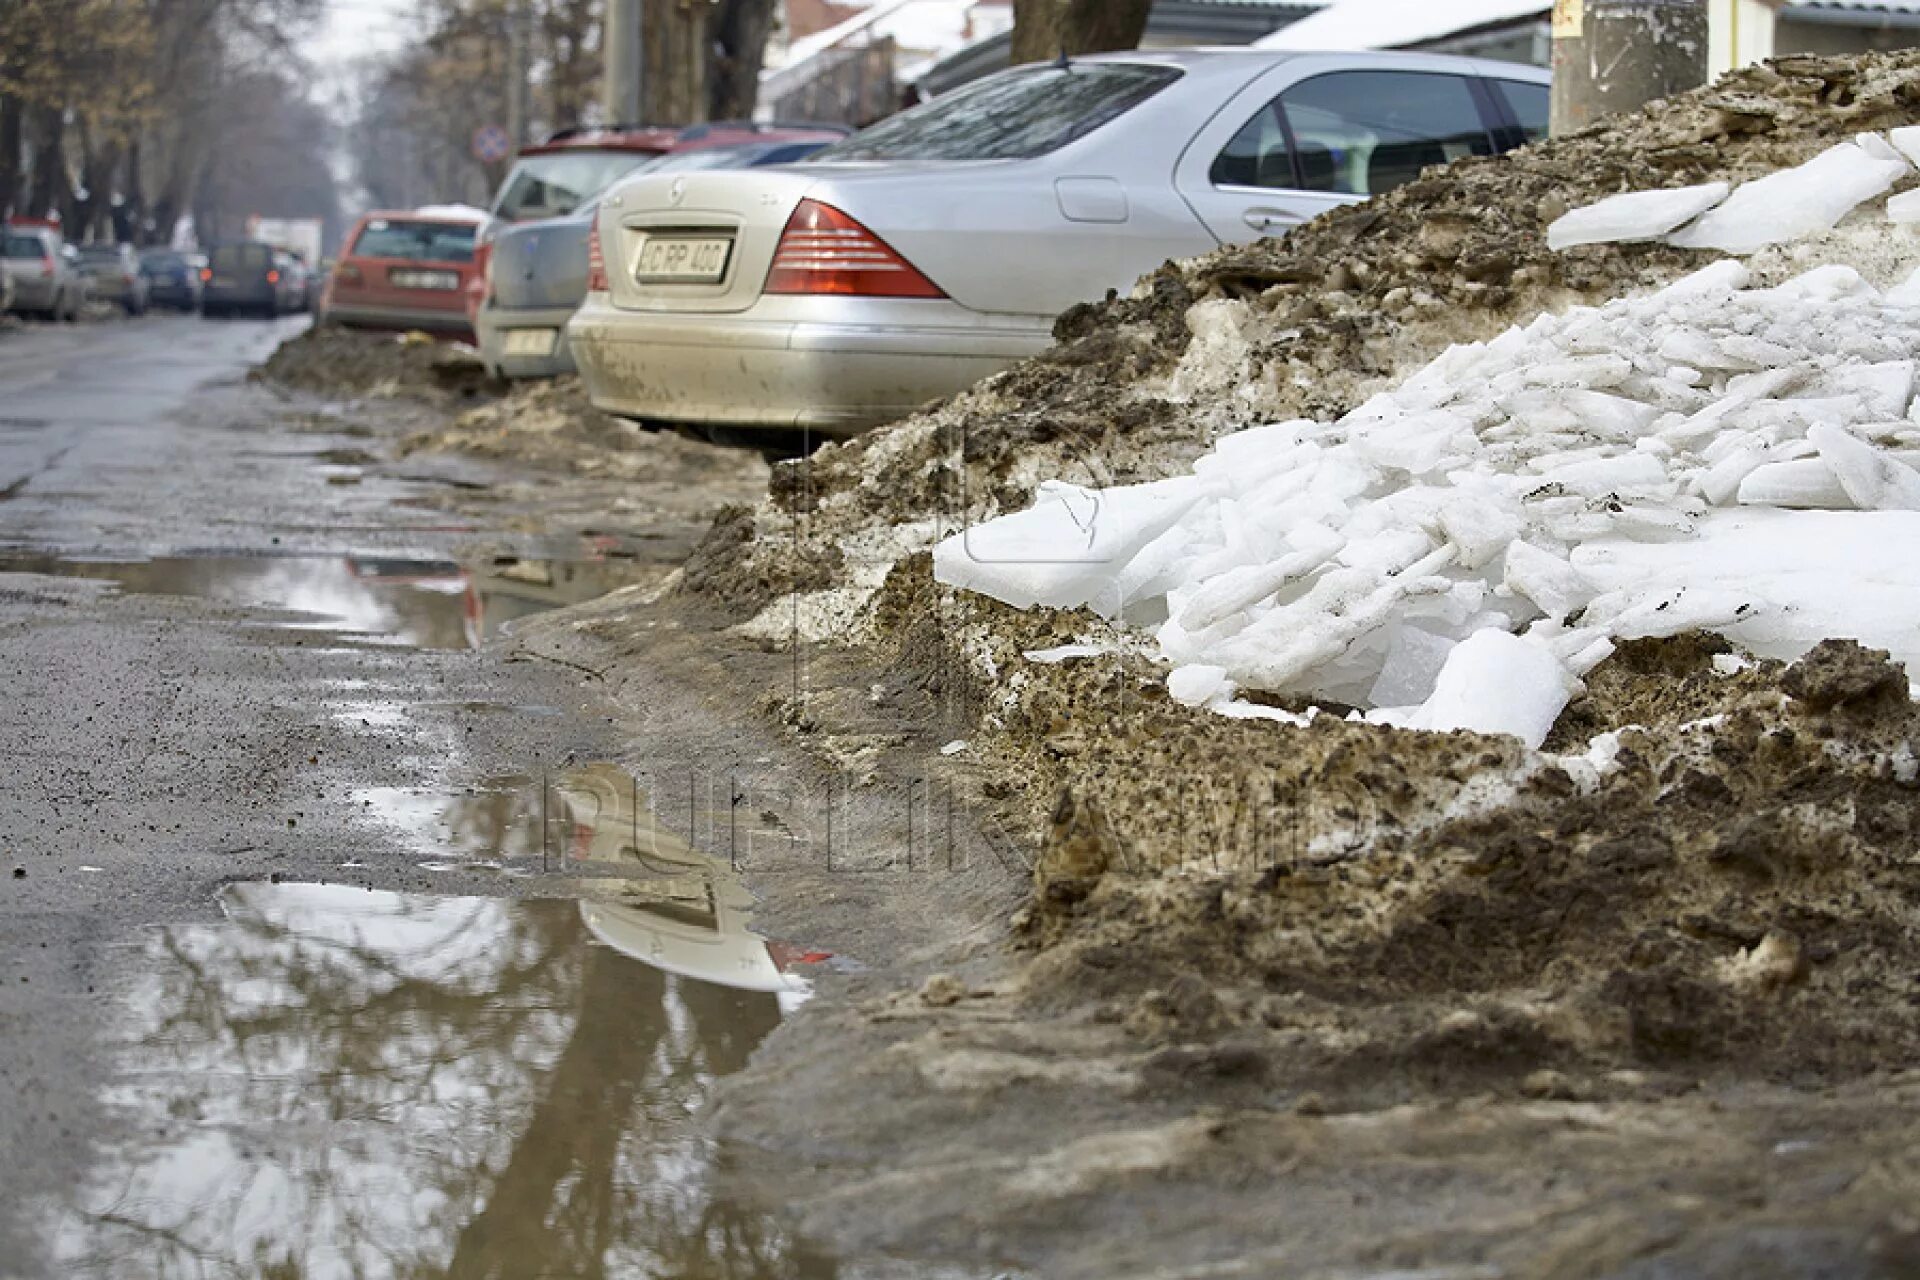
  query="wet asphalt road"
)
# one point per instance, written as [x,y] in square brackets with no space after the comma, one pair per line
[159,746]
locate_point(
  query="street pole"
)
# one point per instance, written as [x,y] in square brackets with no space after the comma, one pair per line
[1618,55]
[517,71]
[622,45]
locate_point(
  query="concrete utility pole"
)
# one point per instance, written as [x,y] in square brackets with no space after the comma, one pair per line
[622,45]
[1615,55]
[517,71]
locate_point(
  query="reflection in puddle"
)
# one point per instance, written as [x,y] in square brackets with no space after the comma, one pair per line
[340,1082]
[428,604]
[649,892]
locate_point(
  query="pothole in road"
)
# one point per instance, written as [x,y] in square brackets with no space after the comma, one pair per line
[344,1082]
[424,603]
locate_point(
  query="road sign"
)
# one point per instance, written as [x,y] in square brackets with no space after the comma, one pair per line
[491,144]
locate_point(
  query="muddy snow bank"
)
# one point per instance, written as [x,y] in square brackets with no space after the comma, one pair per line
[1575,480]
[552,423]
[335,360]
[1312,323]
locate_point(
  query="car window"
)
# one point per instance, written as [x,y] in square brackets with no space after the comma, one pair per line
[162,261]
[1529,104]
[1257,156]
[1018,114]
[100,253]
[25,247]
[241,257]
[415,241]
[548,186]
[1366,132]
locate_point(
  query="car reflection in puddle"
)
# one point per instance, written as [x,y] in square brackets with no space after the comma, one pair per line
[345,1082]
[422,603]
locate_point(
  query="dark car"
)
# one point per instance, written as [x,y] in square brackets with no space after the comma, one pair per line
[244,277]
[173,279]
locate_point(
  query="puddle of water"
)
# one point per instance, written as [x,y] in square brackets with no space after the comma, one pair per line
[649,892]
[427,604]
[339,1082]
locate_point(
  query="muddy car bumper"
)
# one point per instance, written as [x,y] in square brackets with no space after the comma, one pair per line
[783,365]
[35,293]
[525,342]
[429,320]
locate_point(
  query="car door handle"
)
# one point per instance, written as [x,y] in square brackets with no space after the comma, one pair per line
[1268,219]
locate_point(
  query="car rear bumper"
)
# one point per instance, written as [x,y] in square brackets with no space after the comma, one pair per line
[494,326]
[109,290]
[173,294]
[362,315]
[833,364]
[34,293]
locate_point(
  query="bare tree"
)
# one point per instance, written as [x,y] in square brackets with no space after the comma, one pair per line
[1044,29]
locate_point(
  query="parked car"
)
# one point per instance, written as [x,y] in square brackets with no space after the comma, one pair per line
[245,277]
[45,271]
[173,278]
[6,291]
[113,275]
[299,278]
[935,248]
[534,275]
[404,271]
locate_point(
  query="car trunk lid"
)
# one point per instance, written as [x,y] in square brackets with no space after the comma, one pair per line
[696,241]
[541,264]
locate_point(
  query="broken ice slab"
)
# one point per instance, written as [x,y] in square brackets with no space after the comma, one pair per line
[1906,141]
[1872,478]
[1905,207]
[1793,202]
[1494,682]
[1637,215]
[1801,484]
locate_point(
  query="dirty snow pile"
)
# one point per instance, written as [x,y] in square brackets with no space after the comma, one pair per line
[1770,210]
[1458,552]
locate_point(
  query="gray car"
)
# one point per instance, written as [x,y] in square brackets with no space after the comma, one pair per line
[536,272]
[935,248]
[113,275]
[45,272]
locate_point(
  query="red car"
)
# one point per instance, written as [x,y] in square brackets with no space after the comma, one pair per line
[553,178]
[404,270]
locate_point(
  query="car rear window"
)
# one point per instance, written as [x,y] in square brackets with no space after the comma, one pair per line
[163,261]
[1016,115]
[25,247]
[100,253]
[415,241]
[550,185]
[241,257]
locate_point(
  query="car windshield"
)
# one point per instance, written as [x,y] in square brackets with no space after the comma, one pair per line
[548,186]
[25,247]
[416,241]
[1014,116]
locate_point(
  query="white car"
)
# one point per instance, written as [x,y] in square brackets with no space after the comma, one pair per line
[935,248]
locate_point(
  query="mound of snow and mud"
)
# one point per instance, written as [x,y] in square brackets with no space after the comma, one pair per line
[1594,511]
[335,360]
[551,423]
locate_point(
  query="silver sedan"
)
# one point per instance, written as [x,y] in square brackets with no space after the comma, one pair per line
[935,248]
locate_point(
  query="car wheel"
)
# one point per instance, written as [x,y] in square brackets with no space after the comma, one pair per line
[73,311]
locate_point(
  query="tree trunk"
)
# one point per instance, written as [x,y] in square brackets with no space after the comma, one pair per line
[10,112]
[673,83]
[1045,29]
[51,192]
[740,31]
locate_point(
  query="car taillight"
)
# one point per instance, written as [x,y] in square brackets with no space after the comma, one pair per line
[273,277]
[822,250]
[46,267]
[206,274]
[596,261]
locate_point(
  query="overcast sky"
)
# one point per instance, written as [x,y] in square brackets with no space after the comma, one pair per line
[355,28]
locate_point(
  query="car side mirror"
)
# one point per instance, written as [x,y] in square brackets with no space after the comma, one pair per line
[70,253]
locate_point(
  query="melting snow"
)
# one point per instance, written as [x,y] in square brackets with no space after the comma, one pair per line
[1457,552]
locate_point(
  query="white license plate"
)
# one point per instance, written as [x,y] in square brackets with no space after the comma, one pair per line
[425,279]
[683,258]
[222,282]
[531,342]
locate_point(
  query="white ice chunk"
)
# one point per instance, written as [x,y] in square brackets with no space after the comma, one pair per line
[1871,478]
[1544,578]
[1904,208]
[1793,202]
[1907,292]
[1415,657]
[1906,140]
[1494,682]
[1801,484]
[1608,475]
[1197,684]
[1637,215]
[1875,145]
